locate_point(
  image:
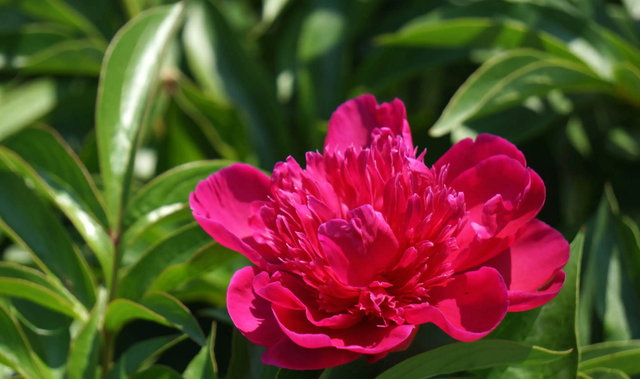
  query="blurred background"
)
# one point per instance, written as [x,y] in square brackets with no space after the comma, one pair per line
[256,81]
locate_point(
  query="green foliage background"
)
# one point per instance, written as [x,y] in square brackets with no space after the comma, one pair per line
[112,111]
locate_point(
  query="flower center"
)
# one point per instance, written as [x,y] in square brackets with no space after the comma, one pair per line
[424,215]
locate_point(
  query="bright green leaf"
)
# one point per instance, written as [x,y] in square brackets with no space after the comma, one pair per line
[39,96]
[605,373]
[128,80]
[83,354]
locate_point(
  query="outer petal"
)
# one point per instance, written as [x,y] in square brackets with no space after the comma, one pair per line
[353,121]
[287,354]
[467,153]
[364,338]
[358,249]
[501,196]
[250,313]
[536,256]
[222,205]
[468,308]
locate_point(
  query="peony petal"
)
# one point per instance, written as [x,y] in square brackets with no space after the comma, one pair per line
[501,196]
[536,256]
[286,354]
[250,313]
[467,153]
[495,175]
[222,205]
[353,122]
[403,346]
[358,249]
[468,308]
[365,338]
[289,292]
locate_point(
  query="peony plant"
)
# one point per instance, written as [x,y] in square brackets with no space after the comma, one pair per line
[356,251]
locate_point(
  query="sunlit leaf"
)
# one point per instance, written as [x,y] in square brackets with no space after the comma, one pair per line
[128,79]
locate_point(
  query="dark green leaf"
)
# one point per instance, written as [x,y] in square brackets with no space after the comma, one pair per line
[59,12]
[466,356]
[175,249]
[15,351]
[157,372]
[555,325]
[157,307]
[152,228]
[508,80]
[128,80]
[58,174]
[204,365]
[206,259]
[246,83]
[31,224]
[141,354]
[478,33]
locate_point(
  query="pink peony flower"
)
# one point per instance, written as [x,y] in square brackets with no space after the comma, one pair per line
[356,251]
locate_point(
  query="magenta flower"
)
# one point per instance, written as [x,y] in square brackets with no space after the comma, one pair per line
[356,251]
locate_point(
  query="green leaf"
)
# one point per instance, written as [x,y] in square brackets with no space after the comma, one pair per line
[15,351]
[508,80]
[627,77]
[157,307]
[37,49]
[152,228]
[157,372]
[142,354]
[322,50]
[620,355]
[83,354]
[204,365]
[44,296]
[246,83]
[206,259]
[555,325]
[172,187]
[32,225]
[609,295]
[223,125]
[466,356]
[58,174]
[175,249]
[604,373]
[477,33]
[201,57]
[39,96]
[389,65]
[128,80]
[606,348]
[60,12]
[245,359]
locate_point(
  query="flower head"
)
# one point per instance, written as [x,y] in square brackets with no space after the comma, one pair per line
[366,243]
